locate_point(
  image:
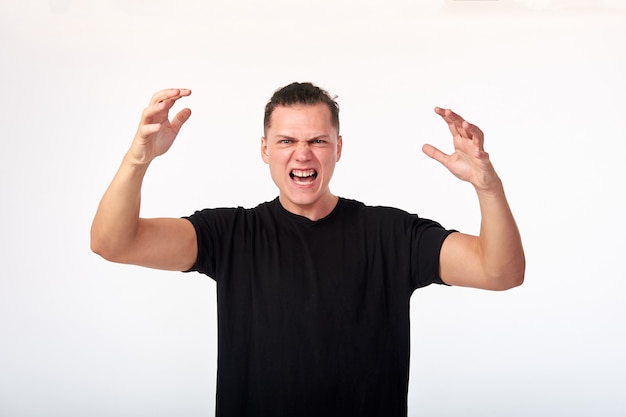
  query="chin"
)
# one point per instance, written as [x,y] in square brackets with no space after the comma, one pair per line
[302,202]
[301,199]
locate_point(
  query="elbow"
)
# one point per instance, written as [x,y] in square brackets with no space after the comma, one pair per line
[514,280]
[102,247]
[511,279]
[98,247]
[520,277]
[95,243]
[517,277]
[510,274]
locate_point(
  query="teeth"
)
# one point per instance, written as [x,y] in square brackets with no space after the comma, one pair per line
[303,176]
[303,173]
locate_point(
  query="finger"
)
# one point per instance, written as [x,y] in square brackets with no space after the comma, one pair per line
[180,119]
[161,103]
[460,126]
[155,113]
[163,94]
[454,121]
[449,116]
[168,102]
[473,133]
[435,153]
[182,92]
[169,94]
[148,129]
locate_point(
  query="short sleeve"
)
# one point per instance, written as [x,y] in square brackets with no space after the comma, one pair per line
[427,239]
[211,226]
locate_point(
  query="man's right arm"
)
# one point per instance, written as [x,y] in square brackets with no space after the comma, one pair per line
[118,233]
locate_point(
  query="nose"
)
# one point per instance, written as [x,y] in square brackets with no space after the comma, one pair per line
[303,151]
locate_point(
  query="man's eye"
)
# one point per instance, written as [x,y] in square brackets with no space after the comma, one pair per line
[285,141]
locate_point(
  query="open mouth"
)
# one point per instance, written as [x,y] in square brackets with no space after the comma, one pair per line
[303,176]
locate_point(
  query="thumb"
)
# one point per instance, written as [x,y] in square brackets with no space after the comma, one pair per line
[180,118]
[434,153]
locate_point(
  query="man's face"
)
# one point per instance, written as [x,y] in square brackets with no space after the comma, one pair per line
[302,147]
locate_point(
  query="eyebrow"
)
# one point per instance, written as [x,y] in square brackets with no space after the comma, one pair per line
[313,138]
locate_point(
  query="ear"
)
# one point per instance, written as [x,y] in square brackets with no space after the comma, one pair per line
[264,153]
[339,147]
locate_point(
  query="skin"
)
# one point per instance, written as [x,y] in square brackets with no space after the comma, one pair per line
[118,233]
[301,140]
[495,259]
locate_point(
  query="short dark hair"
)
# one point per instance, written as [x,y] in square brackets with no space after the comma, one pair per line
[301,93]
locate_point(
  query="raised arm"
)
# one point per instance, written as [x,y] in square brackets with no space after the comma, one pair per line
[118,233]
[493,260]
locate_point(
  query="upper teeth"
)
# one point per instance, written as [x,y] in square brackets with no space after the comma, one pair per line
[303,173]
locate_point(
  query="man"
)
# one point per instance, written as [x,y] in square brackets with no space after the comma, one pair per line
[313,289]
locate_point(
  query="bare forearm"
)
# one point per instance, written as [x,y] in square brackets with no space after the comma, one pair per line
[116,221]
[500,244]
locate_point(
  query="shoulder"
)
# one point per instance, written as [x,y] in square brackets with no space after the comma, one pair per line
[266,207]
[233,217]
[357,207]
[387,218]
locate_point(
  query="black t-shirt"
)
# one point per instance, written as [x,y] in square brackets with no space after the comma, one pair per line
[313,316]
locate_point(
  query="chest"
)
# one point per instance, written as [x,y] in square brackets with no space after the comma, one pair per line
[346,270]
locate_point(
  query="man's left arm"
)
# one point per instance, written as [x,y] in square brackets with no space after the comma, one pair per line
[494,260]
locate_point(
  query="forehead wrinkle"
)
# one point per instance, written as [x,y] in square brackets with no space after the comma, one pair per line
[322,136]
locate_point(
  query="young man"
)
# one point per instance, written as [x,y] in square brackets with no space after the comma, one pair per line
[313,289]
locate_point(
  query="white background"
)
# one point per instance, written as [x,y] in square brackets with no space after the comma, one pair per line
[545,80]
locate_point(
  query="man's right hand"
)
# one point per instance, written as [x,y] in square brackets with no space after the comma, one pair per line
[156,132]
